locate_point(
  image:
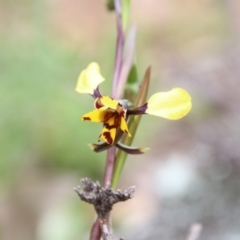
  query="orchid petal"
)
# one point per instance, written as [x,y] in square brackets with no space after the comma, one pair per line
[124,127]
[108,135]
[106,102]
[89,79]
[109,131]
[97,115]
[172,105]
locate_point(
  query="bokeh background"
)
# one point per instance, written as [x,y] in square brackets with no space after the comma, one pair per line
[190,175]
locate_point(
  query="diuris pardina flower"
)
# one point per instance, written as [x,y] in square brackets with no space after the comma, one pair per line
[113,113]
[113,116]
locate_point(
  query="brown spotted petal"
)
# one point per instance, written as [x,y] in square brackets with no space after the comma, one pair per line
[111,126]
[105,101]
[97,115]
[124,127]
[109,131]
[98,147]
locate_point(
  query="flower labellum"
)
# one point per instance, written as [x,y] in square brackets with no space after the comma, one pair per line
[112,114]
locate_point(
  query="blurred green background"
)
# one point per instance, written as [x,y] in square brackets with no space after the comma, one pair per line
[191,173]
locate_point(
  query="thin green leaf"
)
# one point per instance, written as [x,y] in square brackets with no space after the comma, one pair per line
[132,85]
[133,124]
[125,13]
[127,60]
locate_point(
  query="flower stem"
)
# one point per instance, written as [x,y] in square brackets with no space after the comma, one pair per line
[119,48]
[109,166]
[111,153]
[95,231]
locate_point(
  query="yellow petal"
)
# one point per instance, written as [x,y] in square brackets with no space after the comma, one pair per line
[171,105]
[109,131]
[106,102]
[124,126]
[108,135]
[97,115]
[89,79]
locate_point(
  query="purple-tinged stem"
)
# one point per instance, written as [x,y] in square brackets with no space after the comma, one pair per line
[96,231]
[117,70]
[109,166]
[119,48]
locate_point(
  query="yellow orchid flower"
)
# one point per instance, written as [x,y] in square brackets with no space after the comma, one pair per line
[171,105]
[113,116]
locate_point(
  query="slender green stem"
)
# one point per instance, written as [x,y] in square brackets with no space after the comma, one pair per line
[121,155]
[125,13]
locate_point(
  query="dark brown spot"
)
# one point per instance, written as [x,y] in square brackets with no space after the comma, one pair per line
[97,104]
[116,123]
[122,113]
[86,118]
[108,115]
[108,126]
[108,137]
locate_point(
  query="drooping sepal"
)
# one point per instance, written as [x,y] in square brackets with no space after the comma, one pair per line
[139,110]
[131,150]
[99,147]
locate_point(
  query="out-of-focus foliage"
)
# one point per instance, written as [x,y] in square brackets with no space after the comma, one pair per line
[40,111]
[43,140]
